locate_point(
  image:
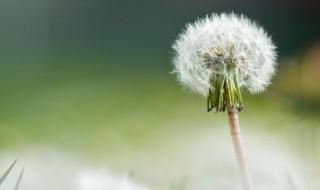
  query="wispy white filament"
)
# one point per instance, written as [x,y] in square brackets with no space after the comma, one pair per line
[206,47]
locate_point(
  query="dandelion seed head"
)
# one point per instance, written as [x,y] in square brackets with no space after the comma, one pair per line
[219,44]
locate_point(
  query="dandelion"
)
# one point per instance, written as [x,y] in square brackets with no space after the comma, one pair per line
[219,57]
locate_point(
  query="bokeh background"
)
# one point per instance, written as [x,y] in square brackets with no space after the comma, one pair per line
[88,102]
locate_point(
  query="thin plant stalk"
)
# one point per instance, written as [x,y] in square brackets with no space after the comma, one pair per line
[238,145]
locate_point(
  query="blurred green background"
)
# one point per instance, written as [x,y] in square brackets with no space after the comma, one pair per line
[92,79]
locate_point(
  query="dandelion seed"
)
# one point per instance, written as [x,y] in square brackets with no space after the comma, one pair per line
[220,50]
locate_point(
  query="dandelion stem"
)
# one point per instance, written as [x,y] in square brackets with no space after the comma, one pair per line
[238,143]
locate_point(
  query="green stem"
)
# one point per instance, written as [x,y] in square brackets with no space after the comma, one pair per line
[238,92]
[221,99]
[216,97]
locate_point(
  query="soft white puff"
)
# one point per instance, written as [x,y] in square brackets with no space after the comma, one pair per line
[205,48]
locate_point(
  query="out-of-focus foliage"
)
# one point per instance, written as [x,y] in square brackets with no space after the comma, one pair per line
[298,80]
[7,172]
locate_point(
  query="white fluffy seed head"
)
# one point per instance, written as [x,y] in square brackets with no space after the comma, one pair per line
[206,48]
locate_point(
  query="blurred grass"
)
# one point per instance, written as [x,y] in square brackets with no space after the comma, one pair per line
[133,119]
[86,106]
